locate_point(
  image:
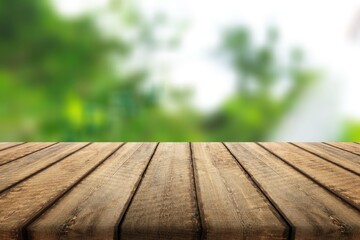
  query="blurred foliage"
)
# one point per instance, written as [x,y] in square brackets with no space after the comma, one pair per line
[351,131]
[57,81]
[257,107]
[64,80]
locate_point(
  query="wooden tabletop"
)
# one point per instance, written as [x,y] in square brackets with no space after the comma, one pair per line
[179,190]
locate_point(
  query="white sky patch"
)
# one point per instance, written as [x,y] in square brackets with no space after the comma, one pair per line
[72,8]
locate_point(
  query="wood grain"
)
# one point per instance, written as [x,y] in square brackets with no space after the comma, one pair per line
[5,145]
[15,171]
[348,146]
[22,150]
[338,180]
[231,205]
[179,191]
[92,209]
[313,212]
[26,200]
[344,159]
[164,206]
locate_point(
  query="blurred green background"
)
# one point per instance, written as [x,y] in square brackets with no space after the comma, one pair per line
[72,79]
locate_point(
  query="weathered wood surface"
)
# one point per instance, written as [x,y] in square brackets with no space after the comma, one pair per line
[165,206]
[231,204]
[179,191]
[5,145]
[26,200]
[349,146]
[18,170]
[22,150]
[93,207]
[347,160]
[313,212]
[341,182]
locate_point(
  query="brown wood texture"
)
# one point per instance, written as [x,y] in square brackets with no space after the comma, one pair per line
[313,212]
[347,146]
[179,191]
[341,182]
[231,205]
[93,207]
[26,200]
[20,169]
[165,206]
[22,150]
[344,159]
[5,145]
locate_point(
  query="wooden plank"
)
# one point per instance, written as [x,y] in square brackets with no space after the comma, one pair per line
[15,171]
[22,150]
[164,206]
[231,206]
[92,209]
[347,160]
[338,180]
[313,212]
[5,145]
[347,146]
[26,200]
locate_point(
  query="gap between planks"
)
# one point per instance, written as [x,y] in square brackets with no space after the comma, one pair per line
[7,145]
[348,164]
[195,182]
[347,191]
[23,150]
[347,146]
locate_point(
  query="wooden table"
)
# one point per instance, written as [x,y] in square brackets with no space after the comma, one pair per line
[179,190]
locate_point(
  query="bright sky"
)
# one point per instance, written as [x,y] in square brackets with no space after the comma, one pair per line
[320,27]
